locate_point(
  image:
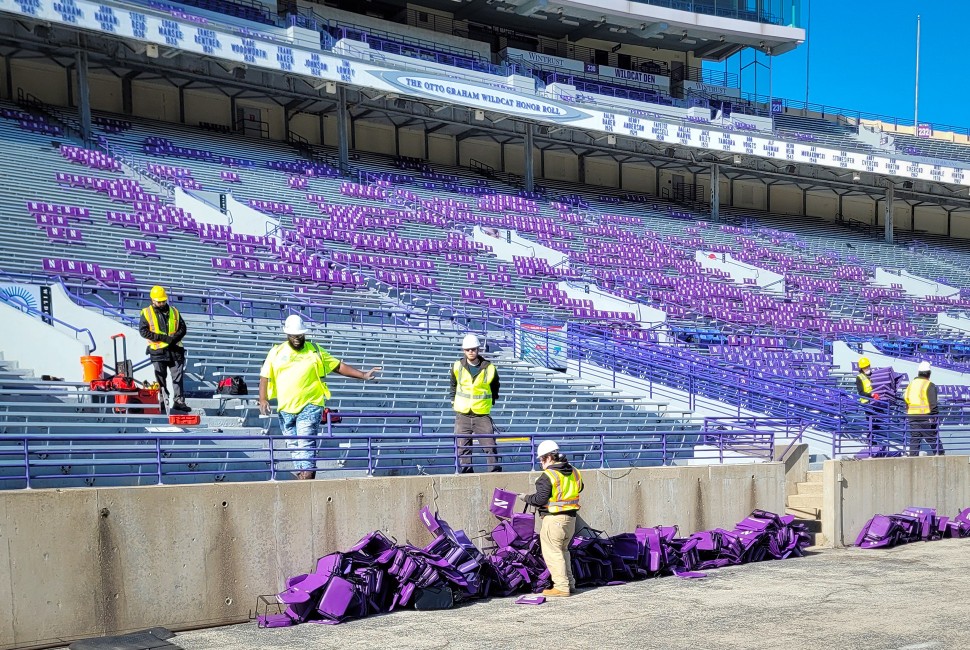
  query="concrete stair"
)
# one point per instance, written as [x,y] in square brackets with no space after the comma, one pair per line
[806,504]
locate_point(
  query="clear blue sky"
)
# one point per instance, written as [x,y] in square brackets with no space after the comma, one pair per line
[863,58]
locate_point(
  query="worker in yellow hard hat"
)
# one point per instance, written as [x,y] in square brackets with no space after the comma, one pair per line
[875,407]
[162,326]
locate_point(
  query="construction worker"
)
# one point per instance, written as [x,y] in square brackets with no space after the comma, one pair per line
[162,326]
[557,500]
[876,409]
[922,407]
[474,390]
[292,374]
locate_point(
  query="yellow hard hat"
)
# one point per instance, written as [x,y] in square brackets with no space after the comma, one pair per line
[864,363]
[158,294]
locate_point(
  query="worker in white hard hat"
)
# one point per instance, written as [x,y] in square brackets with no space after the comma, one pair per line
[922,407]
[557,501]
[875,407]
[292,374]
[474,390]
[162,326]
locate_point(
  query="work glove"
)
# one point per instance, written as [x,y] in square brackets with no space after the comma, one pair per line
[520,496]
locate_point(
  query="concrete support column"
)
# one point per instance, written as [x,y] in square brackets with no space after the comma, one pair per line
[581,170]
[127,104]
[890,193]
[84,96]
[715,192]
[9,78]
[529,173]
[343,121]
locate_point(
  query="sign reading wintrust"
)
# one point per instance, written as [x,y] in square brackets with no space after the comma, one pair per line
[547,60]
[711,89]
[478,96]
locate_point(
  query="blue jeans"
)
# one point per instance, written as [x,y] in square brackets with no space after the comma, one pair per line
[304,423]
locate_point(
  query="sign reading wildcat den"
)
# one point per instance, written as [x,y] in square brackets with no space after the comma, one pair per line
[617,74]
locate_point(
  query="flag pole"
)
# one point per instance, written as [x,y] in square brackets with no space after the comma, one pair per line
[916,92]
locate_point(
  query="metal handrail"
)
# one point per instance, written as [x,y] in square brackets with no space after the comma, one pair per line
[47,318]
[36,460]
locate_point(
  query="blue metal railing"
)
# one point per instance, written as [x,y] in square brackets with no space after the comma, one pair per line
[416,48]
[32,461]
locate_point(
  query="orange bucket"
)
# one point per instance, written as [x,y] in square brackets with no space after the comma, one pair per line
[91,368]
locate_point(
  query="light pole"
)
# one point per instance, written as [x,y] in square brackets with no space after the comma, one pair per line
[808,49]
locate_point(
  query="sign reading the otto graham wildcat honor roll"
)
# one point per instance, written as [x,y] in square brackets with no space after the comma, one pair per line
[172,27]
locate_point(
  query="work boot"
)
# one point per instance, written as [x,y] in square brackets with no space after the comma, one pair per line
[305,476]
[181,407]
[554,593]
[467,470]
[497,468]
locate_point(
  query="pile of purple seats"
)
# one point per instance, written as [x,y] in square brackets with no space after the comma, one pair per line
[377,575]
[886,381]
[912,525]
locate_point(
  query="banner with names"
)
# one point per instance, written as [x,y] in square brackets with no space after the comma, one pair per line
[178,30]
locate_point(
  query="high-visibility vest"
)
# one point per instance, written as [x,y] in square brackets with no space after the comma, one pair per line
[474,393]
[866,388]
[565,491]
[173,325]
[917,400]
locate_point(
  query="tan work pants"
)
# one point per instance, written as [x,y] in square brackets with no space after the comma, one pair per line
[554,537]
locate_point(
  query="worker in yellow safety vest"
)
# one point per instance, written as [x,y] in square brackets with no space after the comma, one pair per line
[922,407]
[474,390]
[293,374]
[557,500]
[162,326]
[875,408]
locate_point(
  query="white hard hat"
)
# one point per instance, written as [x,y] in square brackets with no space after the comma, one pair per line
[294,325]
[924,367]
[470,342]
[546,447]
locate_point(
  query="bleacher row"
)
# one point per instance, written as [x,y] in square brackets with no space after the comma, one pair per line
[717,324]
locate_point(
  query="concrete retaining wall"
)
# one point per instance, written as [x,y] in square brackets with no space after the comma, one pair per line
[854,491]
[95,561]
